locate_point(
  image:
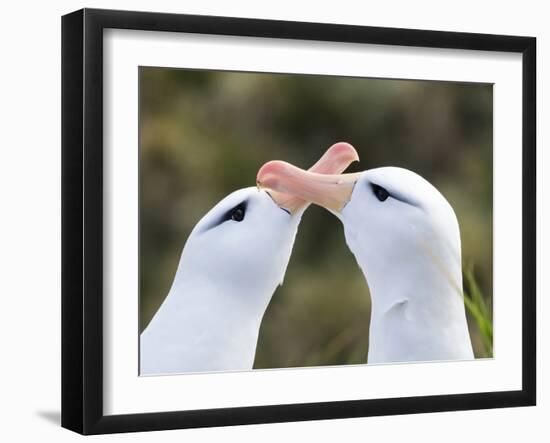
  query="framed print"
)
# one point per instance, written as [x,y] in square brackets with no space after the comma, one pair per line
[269,221]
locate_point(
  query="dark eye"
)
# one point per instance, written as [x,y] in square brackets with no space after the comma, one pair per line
[380,192]
[237,213]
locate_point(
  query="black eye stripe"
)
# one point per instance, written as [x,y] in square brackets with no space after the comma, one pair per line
[237,213]
[381,193]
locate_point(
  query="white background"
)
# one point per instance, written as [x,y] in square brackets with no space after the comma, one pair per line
[30,220]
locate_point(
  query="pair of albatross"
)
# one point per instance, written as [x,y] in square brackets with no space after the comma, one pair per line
[402,231]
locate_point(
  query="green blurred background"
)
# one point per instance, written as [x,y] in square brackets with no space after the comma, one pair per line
[204,134]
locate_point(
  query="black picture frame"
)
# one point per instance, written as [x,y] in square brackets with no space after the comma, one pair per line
[82,220]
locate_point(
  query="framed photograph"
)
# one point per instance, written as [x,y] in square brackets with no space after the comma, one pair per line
[269,221]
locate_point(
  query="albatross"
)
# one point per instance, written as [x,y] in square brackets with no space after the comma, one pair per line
[230,266]
[406,240]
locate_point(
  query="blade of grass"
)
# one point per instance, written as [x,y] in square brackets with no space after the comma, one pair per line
[477,307]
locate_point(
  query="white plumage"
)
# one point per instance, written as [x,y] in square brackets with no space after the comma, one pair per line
[408,248]
[226,276]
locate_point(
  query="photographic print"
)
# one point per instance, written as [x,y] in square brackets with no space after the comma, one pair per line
[380,253]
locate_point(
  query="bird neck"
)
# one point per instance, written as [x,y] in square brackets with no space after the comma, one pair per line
[417,311]
[201,327]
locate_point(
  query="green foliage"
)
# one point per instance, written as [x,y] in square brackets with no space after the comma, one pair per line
[478,308]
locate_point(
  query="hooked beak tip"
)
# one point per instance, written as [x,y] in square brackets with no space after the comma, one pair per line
[344,152]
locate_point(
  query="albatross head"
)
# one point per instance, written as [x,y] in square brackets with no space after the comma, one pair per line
[405,233]
[243,244]
[394,220]
[405,237]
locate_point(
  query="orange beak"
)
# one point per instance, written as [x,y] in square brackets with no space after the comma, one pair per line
[332,191]
[293,188]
